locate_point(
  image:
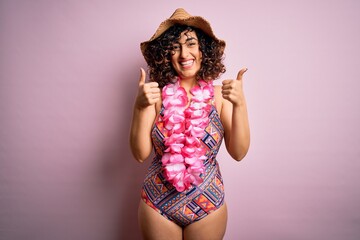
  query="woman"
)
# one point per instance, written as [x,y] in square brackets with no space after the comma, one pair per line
[183,117]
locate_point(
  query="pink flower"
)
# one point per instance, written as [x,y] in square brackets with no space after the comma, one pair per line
[197,121]
[195,131]
[175,148]
[192,141]
[169,158]
[178,181]
[174,138]
[190,160]
[194,178]
[188,151]
[174,168]
[174,95]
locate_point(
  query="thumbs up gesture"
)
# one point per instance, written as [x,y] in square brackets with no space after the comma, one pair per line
[232,89]
[148,93]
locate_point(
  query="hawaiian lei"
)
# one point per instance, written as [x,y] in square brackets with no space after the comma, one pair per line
[183,159]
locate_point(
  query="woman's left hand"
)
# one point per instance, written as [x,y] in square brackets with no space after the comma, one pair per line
[232,90]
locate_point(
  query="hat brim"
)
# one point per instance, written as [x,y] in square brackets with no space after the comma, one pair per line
[193,21]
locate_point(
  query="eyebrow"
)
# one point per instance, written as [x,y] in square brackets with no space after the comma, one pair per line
[188,39]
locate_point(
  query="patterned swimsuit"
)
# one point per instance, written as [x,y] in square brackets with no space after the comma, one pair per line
[189,206]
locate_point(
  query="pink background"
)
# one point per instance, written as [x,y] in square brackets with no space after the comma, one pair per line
[69,72]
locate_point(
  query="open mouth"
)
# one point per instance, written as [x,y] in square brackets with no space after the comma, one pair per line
[187,63]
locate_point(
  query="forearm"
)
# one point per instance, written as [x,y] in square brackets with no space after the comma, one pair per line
[239,136]
[140,132]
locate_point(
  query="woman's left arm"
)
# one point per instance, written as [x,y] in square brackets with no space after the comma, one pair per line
[235,117]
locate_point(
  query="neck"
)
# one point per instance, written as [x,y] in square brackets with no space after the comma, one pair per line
[187,83]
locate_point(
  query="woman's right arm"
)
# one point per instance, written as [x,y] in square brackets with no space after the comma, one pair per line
[144,114]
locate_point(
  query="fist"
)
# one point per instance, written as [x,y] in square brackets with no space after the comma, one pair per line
[148,93]
[232,89]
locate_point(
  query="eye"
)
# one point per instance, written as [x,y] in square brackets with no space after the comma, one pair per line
[191,44]
[176,47]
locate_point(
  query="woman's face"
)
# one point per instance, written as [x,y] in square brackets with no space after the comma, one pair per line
[186,55]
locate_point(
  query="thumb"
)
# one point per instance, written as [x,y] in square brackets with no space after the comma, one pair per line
[241,73]
[142,77]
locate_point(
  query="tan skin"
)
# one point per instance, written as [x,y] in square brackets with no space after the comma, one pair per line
[231,106]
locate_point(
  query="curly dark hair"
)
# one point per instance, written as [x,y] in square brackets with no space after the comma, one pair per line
[159,51]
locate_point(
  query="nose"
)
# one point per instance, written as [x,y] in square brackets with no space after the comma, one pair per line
[184,51]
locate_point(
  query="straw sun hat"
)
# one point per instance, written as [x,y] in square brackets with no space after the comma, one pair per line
[180,16]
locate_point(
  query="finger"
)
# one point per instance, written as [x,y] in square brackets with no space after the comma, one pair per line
[227,86]
[154,95]
[151,87]
[154,100]
[142,77]
[227,81]
[153,84]
[241,73]
[226,92]
[155,90]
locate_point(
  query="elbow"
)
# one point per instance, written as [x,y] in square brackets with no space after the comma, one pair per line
[139,158]
[239,149]
[140,155]
[240,155]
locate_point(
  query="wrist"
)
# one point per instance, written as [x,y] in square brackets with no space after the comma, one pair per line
[141,107]
[241,103]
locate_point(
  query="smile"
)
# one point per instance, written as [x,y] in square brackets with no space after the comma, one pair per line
[187,63]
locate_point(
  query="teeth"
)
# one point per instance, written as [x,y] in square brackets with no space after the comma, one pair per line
[187,63]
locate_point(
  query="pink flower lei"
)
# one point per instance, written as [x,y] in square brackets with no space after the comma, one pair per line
[183,159]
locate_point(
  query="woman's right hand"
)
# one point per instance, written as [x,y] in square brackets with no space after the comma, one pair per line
[148,93]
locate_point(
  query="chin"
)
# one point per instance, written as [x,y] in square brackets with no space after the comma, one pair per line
[188,75]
